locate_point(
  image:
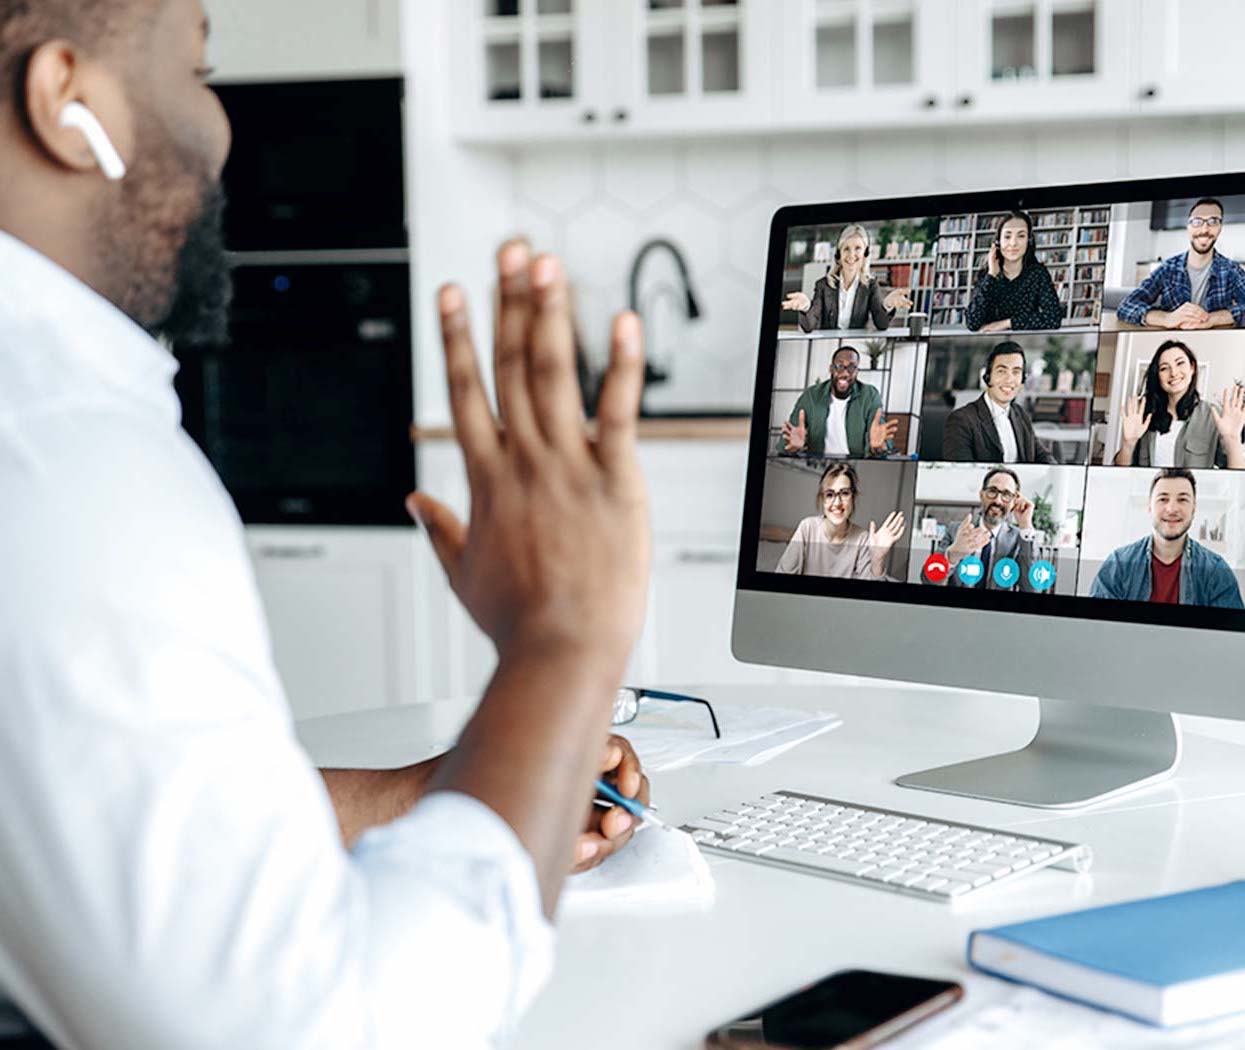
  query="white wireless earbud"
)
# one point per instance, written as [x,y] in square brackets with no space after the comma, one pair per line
[76,115]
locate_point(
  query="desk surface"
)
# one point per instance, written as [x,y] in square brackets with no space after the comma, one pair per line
[771,931]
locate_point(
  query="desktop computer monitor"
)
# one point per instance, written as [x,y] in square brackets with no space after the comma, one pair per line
[997,444]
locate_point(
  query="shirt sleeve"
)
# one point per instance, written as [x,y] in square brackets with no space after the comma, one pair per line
[792,561]
[1141,299]
[1236,293]
[977,313]
[173,870]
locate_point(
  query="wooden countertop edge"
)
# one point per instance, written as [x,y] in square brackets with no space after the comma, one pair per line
[647,430]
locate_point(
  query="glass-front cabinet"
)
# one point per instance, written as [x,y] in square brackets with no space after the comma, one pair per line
[599,67]
[1042,59]
[1188,58]
[864,63]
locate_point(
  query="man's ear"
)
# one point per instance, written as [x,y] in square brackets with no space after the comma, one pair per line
[57,74]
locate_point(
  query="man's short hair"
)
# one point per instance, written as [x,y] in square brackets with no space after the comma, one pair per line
[1208,200]
[1174,472]
[1001,470]
[845,349]
[25,24]
[1008,346]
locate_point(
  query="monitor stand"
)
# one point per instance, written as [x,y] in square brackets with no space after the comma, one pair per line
[1080,754]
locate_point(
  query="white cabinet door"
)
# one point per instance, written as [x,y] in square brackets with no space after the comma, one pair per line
[693,65]
[305,39]
[1043,59]
[865,63]
[530,68]
[1188,56]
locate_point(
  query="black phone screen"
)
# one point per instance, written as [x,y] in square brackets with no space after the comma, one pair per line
[839,1008]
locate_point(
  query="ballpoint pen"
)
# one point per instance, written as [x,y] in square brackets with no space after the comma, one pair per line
[636,808]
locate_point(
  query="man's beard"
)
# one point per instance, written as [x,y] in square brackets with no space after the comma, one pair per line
[198,313]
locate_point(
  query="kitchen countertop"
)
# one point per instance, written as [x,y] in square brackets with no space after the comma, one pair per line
[692,428]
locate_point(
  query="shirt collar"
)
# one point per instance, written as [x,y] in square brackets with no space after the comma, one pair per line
[999,412]
[49,319]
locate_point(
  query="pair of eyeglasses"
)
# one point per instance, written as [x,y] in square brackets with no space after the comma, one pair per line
[1213,221]
[837,495]
[845,368]
[627,705]
[1002,495]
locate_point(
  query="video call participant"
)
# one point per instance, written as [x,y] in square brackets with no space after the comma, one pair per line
[1207,436]
[1014,291]
[839,417]
[848,296]
[1168,566]
[996,428]
[994,536]
[1199,288]
[831,544]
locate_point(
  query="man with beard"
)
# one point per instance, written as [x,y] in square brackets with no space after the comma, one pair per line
[839,417]
[993,537]
[175,872]
[996,428]
[1168,566]
[1199,288]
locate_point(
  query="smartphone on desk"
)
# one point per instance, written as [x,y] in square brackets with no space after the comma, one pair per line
[849,1010]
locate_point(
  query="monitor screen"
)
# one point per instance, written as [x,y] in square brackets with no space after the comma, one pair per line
[1025,401]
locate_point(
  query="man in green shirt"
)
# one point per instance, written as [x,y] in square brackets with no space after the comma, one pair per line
[839,417]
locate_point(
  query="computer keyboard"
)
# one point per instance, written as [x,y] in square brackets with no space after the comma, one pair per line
[934,859]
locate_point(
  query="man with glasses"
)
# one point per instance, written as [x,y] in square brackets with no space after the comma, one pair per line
[1200,288]
[839,417]
[1004,530]
[1169,567]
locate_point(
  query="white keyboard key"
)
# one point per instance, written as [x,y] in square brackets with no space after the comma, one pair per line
[821,861]
[705,824]
[951,888]
[995,871]
[929,883]
[705,836]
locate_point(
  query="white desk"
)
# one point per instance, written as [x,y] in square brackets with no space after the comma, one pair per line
[771,931]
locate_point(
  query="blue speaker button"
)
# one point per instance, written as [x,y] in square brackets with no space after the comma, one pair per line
[1042,576]
[1006,573]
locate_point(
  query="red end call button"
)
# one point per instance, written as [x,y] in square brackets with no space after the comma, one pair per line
[937,568]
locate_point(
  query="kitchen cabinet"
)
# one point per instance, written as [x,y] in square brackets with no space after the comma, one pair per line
[533,69]
[1187,61]
[305,39]
[864,63]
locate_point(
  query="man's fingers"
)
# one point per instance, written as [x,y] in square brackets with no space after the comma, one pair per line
[474,424]
[447,534]
[801,419]
[590,849]
[617,824]
[624,763]
[514,326]
[619,403]
[551,375]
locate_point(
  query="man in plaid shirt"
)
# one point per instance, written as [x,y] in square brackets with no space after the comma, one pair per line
[1197,289]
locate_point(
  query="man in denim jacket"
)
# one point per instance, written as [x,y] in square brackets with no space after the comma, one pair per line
[1169,567]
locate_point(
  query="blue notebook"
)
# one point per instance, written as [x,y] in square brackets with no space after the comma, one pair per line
[1165,960]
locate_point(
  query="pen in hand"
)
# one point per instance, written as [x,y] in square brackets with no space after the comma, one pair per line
[633,806]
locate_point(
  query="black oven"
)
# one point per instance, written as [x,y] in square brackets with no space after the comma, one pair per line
[306,413]
[315,165]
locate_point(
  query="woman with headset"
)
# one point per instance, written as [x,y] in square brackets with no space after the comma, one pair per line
[829,543]
[1169,425]
[1014,291]
[848,296]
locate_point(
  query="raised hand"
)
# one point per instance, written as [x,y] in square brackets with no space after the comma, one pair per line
[880,434]
[797,301]
[969,539]
[795,437]
[1023,511]
[1230,421]
[1136,420]
[897,298]
[882,540]
[994,261]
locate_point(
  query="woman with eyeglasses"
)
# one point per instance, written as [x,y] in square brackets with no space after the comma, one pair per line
[1014,291]
[829,543]
[848,296]
[1169,425]
[1200,288]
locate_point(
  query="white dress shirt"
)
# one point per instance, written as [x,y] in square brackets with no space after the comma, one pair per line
[1002,416]
[836,427]
[171,873]
[847,298]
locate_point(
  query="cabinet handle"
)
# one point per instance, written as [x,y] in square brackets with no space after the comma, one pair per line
[621,116]
[1150,91]
[930,102]
[589,116]
[964,101]
[269,550]
[690,557]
